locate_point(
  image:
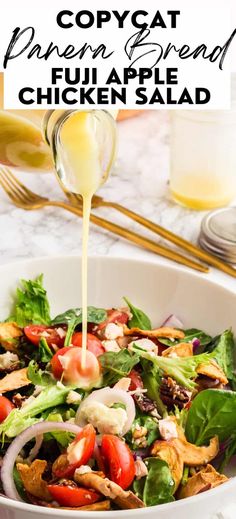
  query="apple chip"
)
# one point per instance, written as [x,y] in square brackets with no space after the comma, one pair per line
[9,335]
[212,370]
[164,332]
[166,451]
[14,380]
[190,454]
[183,349]
[206,479]
[32,479]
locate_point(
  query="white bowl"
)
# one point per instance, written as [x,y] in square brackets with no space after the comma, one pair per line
[158,290]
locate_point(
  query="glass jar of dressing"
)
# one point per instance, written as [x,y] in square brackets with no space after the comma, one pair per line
[203,156]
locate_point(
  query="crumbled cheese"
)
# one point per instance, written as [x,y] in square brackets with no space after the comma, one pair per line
[45,334]
[140,468]
[106,419]
[60,385]
[73,398]
[64,361]
[111,346]
[37,390]
[168,429]
[8,359]
[112,331]
[145,344]
[61,332]
[29,400]
[84,469]
[123,384]
[173,355]
[75,450]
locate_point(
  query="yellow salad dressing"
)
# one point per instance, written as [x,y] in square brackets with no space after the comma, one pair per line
[80,149]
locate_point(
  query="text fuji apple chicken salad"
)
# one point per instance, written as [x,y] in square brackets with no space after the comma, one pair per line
[150,418]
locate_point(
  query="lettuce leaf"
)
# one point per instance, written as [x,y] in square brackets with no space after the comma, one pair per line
[116,365]
[31,305]
[19,419]
[183,370]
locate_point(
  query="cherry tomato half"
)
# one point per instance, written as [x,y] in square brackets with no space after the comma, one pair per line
[78,453]
[93,343]
[136,380]
[70,366]
[73,497]
[35,332]
[118,459]
[6,407]
[113,316]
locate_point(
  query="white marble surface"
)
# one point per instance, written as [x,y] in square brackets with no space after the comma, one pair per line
[139,181]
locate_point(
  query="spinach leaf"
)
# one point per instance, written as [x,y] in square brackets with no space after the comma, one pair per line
[95,315]
[213,411]
[190,334]
[45,354]
[37,376]
[143,420]
[139,318]
[31,304]
[223,351]
[73,318]
[117,365]
[158,486]
[152,381]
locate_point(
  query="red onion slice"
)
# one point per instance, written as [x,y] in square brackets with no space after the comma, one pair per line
[13,451]
[36,448]
[109,396]
[173,322]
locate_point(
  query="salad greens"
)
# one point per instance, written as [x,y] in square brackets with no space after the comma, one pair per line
[117,365]
[213,412]
[183,370]
[19,419]
[150,424]
[39,377]
[45,353]
[190,335]
[73,318]
[152,382]
[31,304]
[158,486]
[223,351]
[139,318]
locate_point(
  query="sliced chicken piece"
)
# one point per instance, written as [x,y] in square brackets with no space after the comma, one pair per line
[124,499]
[14,380]
[9,335]
[183,349]
[212,370]
[32,479]
[204,480]
[165,332]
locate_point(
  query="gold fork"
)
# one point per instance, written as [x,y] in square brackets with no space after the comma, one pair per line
[192,249]
[22,197]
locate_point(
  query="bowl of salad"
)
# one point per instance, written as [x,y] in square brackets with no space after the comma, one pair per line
[147,426]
